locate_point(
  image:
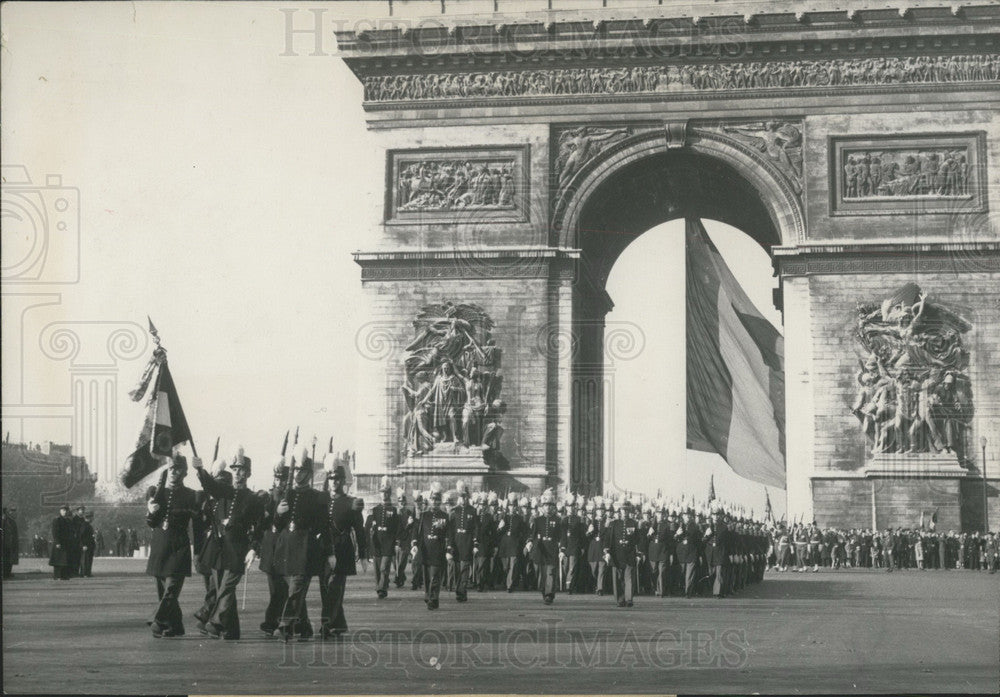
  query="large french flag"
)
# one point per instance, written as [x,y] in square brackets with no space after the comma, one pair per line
[735,369]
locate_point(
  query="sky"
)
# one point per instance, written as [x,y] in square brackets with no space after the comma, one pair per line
[220,188]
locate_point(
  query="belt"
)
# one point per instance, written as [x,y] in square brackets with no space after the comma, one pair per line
[382,528]
[460,530]
[548,539]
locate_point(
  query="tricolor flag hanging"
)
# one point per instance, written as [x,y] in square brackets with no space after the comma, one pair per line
[735,369]
[165,425]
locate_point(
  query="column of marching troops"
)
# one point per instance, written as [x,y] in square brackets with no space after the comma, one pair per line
[301,534]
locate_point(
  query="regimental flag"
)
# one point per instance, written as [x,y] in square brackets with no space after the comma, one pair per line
[711,488]
[933,525]
[768,511]
[735,369]
[164,428]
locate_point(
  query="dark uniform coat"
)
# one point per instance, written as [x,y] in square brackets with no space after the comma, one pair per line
[621,539]
[235,526]
[574,535]
[269,533]
[302,545]
[595,534]
[342,518]
[383,526]
[462,531]
[717,545]
[546,531]
[62,538]
[170,548]
[512,535]
[431,538]
[486,528]
[688,543]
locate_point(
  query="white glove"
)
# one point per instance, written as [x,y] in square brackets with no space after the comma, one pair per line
[590,529]
[449,556]
[152,506]
[607,558]
[562,555]
[527,547]
[332,561]
[651,532]
[197,463]
[85,548]
[475,550]
[501,525]
[251,555]
[282,508]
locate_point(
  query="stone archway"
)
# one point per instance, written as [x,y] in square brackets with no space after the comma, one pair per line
[629,188]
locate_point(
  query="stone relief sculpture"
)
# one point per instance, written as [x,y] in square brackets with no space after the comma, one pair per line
[447,185]
[579,145]
[679,78]
[914,393]
[893,173]
[453,381]
[781,142]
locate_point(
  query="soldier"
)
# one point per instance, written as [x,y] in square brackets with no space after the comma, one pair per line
[462,540]
[595,546]
[660,552]
[342,517]
[87,545]
[688,544]
[486,527]
[11,544]
[169,513]
[431,542]
[420,500]
[382,528]
[620,552]
[301,547]
[76,546]
[407,519]
[646,531]
[277,585]
[62,540]
[238,514]
[529,574]
[511,529]
[544,538]
[717,553]
[572,540]
[206,538]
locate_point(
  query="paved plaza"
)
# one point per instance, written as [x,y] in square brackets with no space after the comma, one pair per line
[843,632]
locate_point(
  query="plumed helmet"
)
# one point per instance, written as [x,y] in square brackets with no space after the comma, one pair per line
[524,503]
[401,494]
[329,462]
[548,497]
[435,491]
[511,497]
[241,461]
[492,498]
[301,458]
[384,485]
[280,468]
[461,487]
[218,467]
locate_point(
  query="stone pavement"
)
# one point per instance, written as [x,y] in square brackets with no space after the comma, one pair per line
[840,632]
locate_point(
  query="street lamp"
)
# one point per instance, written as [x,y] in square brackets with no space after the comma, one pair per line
[986,510]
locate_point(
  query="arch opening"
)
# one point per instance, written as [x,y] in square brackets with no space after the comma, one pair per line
[640,200]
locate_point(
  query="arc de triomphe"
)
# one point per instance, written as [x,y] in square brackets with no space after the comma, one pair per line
[525,146]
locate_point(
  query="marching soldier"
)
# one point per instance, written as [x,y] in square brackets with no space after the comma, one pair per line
[431,543]
[342,518]
[169,513]
[717,553]
[407,519]
[645,533]
[238,513]
[462,540]
[572,541]
[511,529]
[486,527]
[207,550]
[620,551]
[544,538]
[88,544]
[383,530]
[301,548]
[660,552]
[688,543]
[62,540]
[595,546]
[420,501]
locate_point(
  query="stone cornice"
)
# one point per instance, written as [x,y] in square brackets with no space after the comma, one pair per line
[707,23]
[455,264]
[959,258]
